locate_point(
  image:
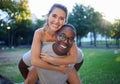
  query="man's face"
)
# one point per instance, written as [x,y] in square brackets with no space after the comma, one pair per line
[65,39]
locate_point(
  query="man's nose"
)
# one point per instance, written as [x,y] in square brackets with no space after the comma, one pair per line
[66,40]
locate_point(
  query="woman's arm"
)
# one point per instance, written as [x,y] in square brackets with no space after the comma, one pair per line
[71,58]
[36,48]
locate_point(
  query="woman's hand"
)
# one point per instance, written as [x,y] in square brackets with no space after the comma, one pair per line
[61,68]
[46,57]
[64,69]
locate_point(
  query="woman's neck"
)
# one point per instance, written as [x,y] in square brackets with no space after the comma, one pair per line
[49,35]
[50,32]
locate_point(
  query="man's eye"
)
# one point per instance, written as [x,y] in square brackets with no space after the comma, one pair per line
[61,36]
[71,39]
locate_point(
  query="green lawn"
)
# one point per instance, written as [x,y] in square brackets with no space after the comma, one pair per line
[9,63]
[101,66]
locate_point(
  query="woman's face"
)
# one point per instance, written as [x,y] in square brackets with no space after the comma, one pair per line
[56,19]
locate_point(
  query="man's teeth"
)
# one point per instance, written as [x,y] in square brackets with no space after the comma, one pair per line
[63,46]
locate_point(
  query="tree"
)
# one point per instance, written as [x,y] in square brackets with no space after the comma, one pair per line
[38,24]
[115,31]
[7,7]
[79,18]
[95,20]
[105,29]
[19,18]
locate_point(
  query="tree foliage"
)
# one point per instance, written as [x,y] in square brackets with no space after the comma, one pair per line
[18,18]
[115,31]
[79,18]
[85,20]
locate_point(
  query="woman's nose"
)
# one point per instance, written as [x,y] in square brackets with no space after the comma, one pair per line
[56,20]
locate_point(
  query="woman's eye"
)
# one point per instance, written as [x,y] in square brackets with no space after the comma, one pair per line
[54,15]
[61,18]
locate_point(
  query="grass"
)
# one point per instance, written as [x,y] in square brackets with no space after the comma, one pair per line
[101,43]
[101,66]
[8,63]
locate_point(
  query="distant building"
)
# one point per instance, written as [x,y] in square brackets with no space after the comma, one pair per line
[98,38]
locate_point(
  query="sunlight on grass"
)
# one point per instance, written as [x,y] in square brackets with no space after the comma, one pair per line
[118,58]
[100,67]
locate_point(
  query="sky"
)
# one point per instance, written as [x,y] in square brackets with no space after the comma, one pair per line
[109,8]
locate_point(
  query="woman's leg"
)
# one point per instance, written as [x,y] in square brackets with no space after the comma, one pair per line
[73,77]
[32,77]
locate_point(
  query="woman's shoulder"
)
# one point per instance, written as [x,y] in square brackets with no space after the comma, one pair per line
[39,31]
